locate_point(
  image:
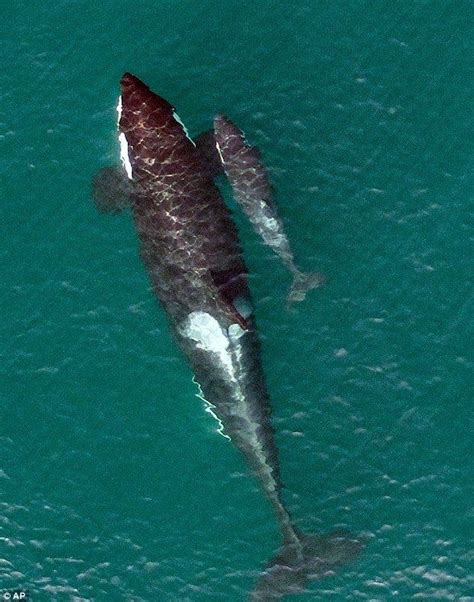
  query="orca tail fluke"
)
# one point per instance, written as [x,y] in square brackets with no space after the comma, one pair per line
[302,283]
[316,557]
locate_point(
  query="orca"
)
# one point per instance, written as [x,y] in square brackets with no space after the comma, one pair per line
[191,249]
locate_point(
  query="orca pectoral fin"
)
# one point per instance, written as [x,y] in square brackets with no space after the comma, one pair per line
[206,145]
[111,190]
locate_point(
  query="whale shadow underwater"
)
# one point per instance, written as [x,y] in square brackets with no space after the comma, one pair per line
[191,249]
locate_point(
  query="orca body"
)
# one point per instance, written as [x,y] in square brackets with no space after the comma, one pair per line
[191,249]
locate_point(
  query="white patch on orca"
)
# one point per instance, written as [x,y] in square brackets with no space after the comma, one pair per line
[206,331]
[219,152]
[271,223]
[124,155]
[201,327]
[177,118]
[271,228]
[119,109]
[235,332]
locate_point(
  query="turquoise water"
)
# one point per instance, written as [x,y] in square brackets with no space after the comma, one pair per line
[115,484]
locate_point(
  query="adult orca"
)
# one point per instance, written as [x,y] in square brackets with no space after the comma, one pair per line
[191,249]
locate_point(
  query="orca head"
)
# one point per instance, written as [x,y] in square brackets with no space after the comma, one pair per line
[149,129]
[227,135]
[137,96]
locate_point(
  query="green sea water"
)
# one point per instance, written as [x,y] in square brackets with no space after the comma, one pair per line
[115,484]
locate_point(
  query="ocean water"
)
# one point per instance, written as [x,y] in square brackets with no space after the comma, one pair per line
[115,484]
